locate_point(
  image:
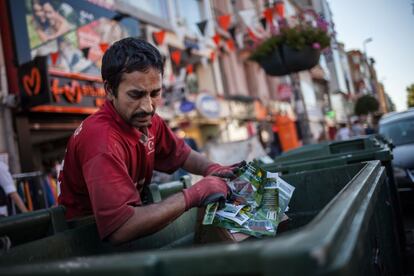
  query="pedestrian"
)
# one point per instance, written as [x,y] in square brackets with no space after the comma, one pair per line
[344,132]
[111,156]
[357,128]
[9,190]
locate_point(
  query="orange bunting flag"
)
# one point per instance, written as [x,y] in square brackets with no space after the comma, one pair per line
[230,44]
[190,69]
[104,47]
[224,21]
[212,56]
[54,57]
[280,9]
[159,37]
[216,39]
[268,14]
[176,57]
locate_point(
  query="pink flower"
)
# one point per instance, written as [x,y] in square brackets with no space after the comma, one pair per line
[322,24]
[316,45]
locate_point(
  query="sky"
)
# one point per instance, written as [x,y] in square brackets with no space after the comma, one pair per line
[390,24]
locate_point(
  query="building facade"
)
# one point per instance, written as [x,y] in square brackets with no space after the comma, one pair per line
[211,88]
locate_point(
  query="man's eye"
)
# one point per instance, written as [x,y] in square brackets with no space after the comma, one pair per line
[135,96]
[155,94]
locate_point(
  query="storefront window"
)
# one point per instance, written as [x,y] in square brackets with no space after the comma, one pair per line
[154,7]
[189,12]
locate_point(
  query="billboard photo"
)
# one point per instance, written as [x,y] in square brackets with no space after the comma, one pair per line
[73,34]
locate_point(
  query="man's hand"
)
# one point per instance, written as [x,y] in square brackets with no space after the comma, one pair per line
[205,191]
[224,171]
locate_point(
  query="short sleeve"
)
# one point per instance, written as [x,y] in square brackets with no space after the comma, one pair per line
[112,192]
[6,180]
[171,151]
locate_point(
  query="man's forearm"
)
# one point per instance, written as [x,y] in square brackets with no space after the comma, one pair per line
[196,163]
[149,219]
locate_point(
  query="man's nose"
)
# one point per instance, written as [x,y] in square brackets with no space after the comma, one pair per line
[146,105]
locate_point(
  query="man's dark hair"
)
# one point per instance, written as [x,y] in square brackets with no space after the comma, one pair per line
[128,55]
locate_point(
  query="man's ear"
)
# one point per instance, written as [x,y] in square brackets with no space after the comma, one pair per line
[109,93]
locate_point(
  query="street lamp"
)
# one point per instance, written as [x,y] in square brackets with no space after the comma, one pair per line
[364,44]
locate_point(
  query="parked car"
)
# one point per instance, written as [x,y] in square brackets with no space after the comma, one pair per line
[399,128]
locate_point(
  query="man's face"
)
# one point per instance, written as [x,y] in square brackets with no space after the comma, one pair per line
[139,94]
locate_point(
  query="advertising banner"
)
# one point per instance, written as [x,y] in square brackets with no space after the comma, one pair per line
[72,34]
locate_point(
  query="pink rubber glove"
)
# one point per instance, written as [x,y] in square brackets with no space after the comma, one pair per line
[224,171]
[207,190]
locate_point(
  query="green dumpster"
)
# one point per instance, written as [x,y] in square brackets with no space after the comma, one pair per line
[328,154]
[340,224]
[326,149]
[32,226]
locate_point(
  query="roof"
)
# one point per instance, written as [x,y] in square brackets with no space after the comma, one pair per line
[396,116]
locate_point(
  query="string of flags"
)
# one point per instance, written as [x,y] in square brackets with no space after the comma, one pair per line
[252,29]
[54,56]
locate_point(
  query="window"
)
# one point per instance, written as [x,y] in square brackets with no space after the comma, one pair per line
[189,12]
[154,7]
[399,132]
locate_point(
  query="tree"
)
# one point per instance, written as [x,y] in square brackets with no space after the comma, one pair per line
[365,105]
[410,95]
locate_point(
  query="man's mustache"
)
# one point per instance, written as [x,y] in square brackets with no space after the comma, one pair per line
[143,114]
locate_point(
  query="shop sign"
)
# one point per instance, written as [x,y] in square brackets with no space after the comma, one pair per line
[59,49]
[39,87]
[208,106]
[80,90]
[34,83]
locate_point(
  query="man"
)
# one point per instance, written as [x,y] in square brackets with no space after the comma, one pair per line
[112,154]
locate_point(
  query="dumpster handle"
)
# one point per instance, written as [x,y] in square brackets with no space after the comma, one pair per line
[5,244]
[376,259]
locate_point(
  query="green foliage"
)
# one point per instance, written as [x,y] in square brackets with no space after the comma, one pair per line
[410,95]
[296,38]
[266,48]
[366,104]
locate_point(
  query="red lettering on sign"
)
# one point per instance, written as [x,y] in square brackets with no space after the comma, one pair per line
[31,83]
[74,91]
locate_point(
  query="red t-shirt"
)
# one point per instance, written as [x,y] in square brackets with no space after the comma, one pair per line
[108,162]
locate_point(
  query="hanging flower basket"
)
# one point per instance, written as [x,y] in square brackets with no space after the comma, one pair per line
[300,60]
[273,65]
[291,50]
